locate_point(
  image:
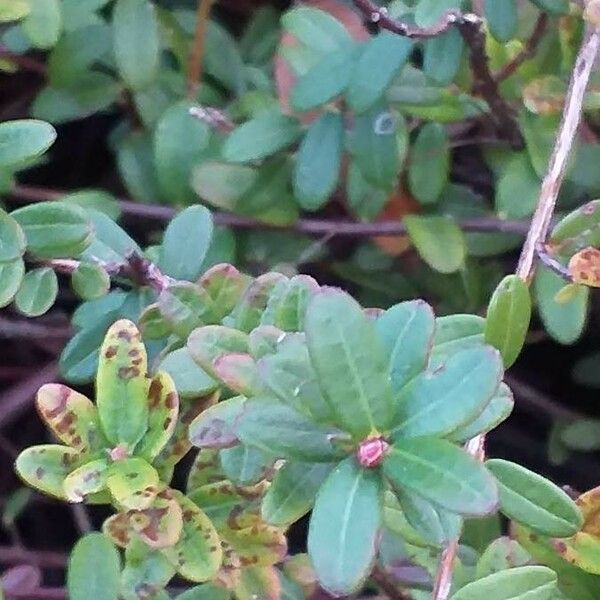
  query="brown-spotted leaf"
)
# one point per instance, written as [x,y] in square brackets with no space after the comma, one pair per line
[229,506]
[133,483]
[231,569]
[585,267]
[259,545]
[118,529]
[163,409]
[159,525]
[122,385]
[258,582]
[179,444]
[225,286]
[89,478]
[238,372]
[46,467]
[582,550]
[204,470]
[71,416]
[198,554]
[215,427]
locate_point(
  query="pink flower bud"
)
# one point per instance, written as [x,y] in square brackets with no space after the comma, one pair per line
[371,451]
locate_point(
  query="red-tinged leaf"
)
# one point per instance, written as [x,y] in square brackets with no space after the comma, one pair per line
[71,416]
[163,405]
[215,427]
[585,267]
[254,301]
[238,372]
[225,286]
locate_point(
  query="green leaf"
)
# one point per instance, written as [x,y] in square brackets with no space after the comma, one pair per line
[249,310]
[43,24]
[457,332]
[441,400]
[436,526]
[208,591]
[557,7]
[206,344]
[343,530]
[280,430]
[503,553]
[174,161]
[23,140]
[225,285]
[238,372]
[372,76]
[508,315]
[260,137]
[349,361]
[318,161]
[183,305]
[46,467]
[428,12]
[374,146]
[258,582]
[58,404]
[442,56]
[11,277]
[517,188]
[94,569]
[532,500]
[132,482]
[365,200]
[54,229]
[286,307]
[245,465]
[111,243]
[498,409]
[12,239]
[429,166]
[222,184]
[90,280]
[439,241]
[326,80]
[193,223]
[564,322]
[406,331]
[191,381]
[122,386]
[520,583]
[293,492]
[582,435]
[197,555]
[443,474]
[216,427]
[502,19]
[581,227]
[145,569]
[316,29]
[136,42]
[37,293]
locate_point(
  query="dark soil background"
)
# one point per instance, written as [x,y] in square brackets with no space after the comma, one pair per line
[29,349]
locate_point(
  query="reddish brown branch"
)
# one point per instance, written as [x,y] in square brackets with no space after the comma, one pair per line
[387,585]
[314,227]
[470,27]
[197,53]
[528,51]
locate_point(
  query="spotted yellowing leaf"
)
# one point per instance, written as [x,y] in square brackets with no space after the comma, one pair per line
[585,267]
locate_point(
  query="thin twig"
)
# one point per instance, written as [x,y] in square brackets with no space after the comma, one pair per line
[197,53]
[314,227]
[17,399]
[571,118]
[470,27]
[528,51]
[26,328]
[9,555]
[537,235]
